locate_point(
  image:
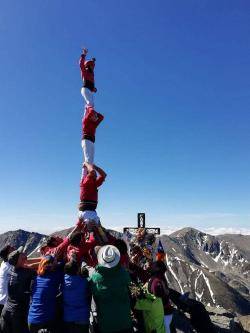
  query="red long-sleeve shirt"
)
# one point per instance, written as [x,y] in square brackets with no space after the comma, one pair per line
[81,251]
[90,122]
[89,192]
[58,251]
[87,73]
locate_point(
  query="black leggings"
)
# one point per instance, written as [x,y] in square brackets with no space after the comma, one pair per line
[72,327]
[13,322]
[42,328]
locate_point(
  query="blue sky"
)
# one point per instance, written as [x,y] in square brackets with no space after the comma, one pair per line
[173,81]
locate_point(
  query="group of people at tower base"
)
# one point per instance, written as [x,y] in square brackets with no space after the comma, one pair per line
[76,280]
[78,286]
[88,280]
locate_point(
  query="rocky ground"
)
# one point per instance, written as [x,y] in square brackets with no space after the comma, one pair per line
[224,322]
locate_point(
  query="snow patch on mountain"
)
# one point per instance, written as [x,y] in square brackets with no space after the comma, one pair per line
[169,264]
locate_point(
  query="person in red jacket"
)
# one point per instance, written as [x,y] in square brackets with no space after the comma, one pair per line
[89,192]
[88,77]
[58,247]
[90,122]
[81,248]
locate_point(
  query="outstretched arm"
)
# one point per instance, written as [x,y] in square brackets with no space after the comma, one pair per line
[33,260]
[33,263]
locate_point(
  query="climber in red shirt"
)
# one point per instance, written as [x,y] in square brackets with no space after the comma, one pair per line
[89,185]
[90,122]
[89,192]
[88,77]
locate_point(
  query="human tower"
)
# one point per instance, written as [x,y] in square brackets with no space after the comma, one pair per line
[92,176]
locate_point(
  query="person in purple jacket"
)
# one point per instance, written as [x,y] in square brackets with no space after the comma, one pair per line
[158,286]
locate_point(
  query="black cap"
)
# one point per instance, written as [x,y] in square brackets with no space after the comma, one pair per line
[14,255]
[5,252]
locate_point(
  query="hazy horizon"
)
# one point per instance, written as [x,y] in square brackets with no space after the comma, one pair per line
[165,230]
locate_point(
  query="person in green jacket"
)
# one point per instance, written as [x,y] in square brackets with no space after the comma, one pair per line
[153,313]
[110,289]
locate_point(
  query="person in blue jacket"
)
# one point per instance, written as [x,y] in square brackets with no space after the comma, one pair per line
[76,298]
[42,312]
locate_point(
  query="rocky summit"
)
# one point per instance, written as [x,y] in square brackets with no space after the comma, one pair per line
[215,270]
[29,240]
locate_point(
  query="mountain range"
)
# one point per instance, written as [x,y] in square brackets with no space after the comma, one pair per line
[213,269]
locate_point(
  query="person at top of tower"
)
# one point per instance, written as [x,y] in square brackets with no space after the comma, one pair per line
[88,77]
[90,122]
[89,192]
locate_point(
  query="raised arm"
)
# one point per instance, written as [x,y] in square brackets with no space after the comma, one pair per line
[83,58]
[84,51]
[100,171]
[77,228]
[90,167]
[99,117]
[61,248]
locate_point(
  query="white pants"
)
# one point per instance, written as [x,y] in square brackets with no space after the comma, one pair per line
[88,96]
[88,148]
[167,322]
[89,215]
